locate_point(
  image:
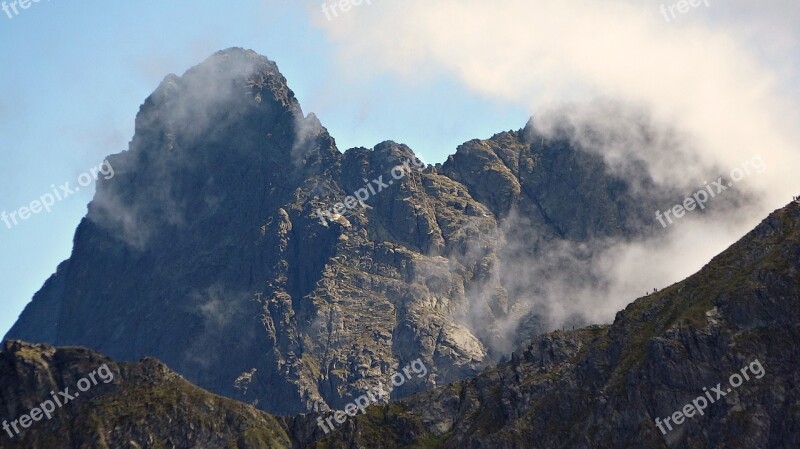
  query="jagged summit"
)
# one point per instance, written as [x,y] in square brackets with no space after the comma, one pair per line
[234,64]
[231,84]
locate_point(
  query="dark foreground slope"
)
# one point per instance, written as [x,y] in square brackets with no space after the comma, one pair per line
[603,386]
[146,405]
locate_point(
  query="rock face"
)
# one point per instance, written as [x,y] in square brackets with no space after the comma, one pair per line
[205,249]
[604,386]
[143,405]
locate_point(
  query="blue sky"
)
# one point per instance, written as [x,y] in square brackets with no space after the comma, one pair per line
[75,73]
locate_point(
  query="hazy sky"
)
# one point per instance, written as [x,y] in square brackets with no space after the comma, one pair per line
[431,74]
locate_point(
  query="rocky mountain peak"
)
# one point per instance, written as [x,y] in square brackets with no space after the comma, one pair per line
[210,249]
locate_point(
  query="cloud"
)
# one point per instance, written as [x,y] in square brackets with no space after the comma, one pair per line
[219,309]
[567,283]
[698,79]
[307,132]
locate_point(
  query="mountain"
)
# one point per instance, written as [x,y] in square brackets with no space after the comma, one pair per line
[214,248]
[729,333]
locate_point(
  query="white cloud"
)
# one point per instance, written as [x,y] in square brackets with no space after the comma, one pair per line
[697,78]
